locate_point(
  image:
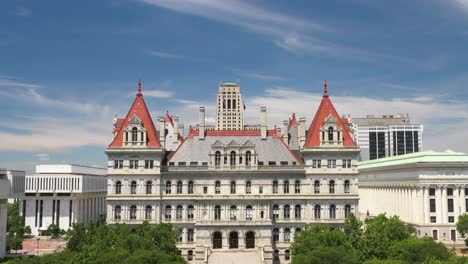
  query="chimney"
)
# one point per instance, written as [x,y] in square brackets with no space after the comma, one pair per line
[175,136]
[302,131]
[263,122]
[201,124]
[162,131]
[285,131]
[181,130]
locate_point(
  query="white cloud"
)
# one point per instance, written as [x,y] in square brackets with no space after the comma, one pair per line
[264,77]
[158,93]
[12,83]
[164,54]
[43,156]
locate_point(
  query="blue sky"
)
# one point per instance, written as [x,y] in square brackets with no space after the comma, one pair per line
[66,67]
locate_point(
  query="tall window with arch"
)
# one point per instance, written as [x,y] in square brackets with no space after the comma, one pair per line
[134,134]
[249,212]
[275,187]
[217,158]
[179,210]
[148,212]
[217,212]
[347,210]
[275,211]
[331,186]
[286,211]
[317,210]
[117,212]
[133,212]
[168,213]
[190,187]
[233,212]
[133,186]
[248,187]
[233,158]
[297,187]
[286,187]
[168,187]
[275,235]
[297,211]
[149,187]
[330,134]
[316,186]
[233,187]
[190,235]
[190,210]
[332,211]
[217,187]
[118,187]
[248,158]
[346,187]
[179,187]
[287,235]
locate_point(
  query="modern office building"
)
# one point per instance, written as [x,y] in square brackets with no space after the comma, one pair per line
[64,195]
[386,136]
[233,188]
[428,190]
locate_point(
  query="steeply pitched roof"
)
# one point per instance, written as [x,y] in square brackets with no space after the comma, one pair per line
[139,109]
[325,110]
[292,121]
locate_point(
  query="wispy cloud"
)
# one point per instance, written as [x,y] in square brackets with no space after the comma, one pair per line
[158,93]
[23,11]
[259,76]
[14,83]
[164,55]
[43,156]
[462,4]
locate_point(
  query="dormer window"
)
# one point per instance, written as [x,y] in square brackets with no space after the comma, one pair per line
[330,134]
[134,134]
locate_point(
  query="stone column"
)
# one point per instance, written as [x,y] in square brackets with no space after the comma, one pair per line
[425,191]
[462,200]
[439,204]
[456,202]
[444,205]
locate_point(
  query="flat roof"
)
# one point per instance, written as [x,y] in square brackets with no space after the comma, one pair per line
[69,169]
[414,158]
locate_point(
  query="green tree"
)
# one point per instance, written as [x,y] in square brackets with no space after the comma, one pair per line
[318,236]
[416,250]
[15,227]
[327,255]
[54,231]
[353,231]
[462,226]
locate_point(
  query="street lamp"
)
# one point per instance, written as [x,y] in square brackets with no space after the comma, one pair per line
[38,245]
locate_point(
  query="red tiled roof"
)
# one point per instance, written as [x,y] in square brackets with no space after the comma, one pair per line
[169,119]
[139,109]
[292,121]
[326,109]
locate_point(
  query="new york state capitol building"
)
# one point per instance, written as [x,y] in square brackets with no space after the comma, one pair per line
[232,186]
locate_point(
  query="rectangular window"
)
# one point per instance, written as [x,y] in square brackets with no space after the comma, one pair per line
[433,219]
[346,164]
[118,164]
[58,213]
[70,213]
[205,189]
[466,205]
[316,163]
[260,189]
[37,211]
[331,164]
[149,164]
[432,205]
[450,205]
[451,219]
[431,191]
[134,164]
[450,191]
[41,207]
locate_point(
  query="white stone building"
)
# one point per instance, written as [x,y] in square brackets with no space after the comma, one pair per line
[386,136]
[229,107]
[230,190]
[428,190]
[64,195]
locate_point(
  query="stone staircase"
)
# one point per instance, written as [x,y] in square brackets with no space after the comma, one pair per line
[234,256]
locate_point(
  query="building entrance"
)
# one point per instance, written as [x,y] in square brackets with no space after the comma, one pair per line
[233,240]
[217,240]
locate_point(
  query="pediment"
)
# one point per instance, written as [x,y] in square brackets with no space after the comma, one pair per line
[217,144]
[135,120]
[330,120]
[248,143]
[233,143]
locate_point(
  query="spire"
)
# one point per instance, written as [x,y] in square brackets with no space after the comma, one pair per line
[139,87]
[325,89]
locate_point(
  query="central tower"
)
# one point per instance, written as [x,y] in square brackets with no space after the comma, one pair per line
[230,107]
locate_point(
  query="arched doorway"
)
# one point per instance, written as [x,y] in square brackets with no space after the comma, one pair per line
[250,239]
[217,240]
[233,240]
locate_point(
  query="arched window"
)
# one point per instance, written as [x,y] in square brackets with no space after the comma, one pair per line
[297,211]
[317,186]
[229,103]
[233,187]
[262,214]
[248,158]
[317,211]
[148,212]
[190,235]
[118,187]
[347,210]
[168,212]
[233,103]
[168,187]
[133,212]
[287,235]
[190,187]
[217,158]
[217,187]
[118,212]
[275,235]
[275,187]
[286,187]
[249,213]
[134,134]
[233,158]
[276,258]
[179,212]
[179,237]
[190,210]
[217,212]
[331,186]
[330,134]
[190,255]
[248,187]
[332,211]
[133,187]
[179,187]
[297,187]
[275,211]
[287,255]
[233,212]
[286,211]
[149,187]
[297,231]
[346,186]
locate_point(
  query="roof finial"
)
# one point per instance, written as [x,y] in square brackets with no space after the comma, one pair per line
[139,87]
[325,89]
